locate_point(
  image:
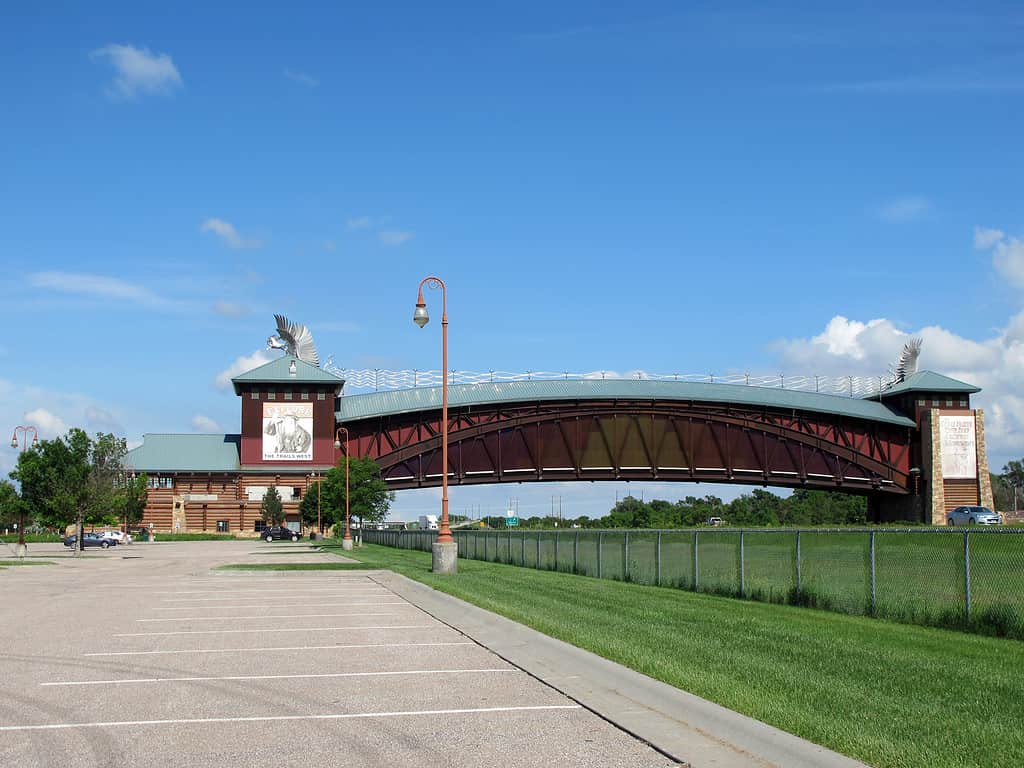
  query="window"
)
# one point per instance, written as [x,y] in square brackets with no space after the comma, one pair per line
[271,395]
[259,525]
[305,394]
[160,482]
[922,403]
[287,395]
[296,493]
[321,395]
[255,395]
[949,403]
[963,403]
[222,526]
[935,403]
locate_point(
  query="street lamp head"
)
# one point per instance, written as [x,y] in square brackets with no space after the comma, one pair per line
[35,441]
[14,441]
[337,444]
[420,316]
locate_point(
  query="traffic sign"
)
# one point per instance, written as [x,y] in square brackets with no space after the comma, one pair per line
[511,522]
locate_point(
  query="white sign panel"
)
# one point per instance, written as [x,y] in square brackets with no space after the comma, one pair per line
[958,446]
[288,432]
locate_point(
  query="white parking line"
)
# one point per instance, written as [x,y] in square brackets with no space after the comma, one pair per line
[282,616]
[284,718]
[290,605]
[260,597]
[276,629]
[279,677]
[281,648]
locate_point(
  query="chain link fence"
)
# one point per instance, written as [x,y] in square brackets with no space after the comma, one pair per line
[955,578]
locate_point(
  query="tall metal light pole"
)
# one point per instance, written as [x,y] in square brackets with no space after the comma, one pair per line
[346,542]
[24,431]
[445,549]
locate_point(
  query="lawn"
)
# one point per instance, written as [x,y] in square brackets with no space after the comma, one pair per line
[892,695]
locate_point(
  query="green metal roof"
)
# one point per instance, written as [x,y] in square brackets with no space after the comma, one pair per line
[928,381]
[429,398]
[185,453]
[277,372]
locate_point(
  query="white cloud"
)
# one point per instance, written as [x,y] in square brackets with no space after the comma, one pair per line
[49,424]
[301,78]
[101,286]
[362,222]
[996,364]
[138,71]
[230,309]
[205,424]
[1007,253]
[905,209]
[227,232]
[241,365]
[986,238]
[395,237]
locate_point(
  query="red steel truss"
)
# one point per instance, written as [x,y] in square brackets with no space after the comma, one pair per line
[638,440]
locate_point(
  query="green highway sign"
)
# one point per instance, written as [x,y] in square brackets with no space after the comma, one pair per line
[511,522]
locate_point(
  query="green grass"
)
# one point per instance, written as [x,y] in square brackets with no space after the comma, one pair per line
[32,538]
[295,567]
[919,575]
[892,695]
[26,562]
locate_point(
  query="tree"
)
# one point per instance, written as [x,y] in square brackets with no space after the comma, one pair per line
[271,508]
[369,496]
[313,507]
[134,491]
[1013,474]
[12,509]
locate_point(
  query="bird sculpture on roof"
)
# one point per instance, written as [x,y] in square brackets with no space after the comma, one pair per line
[295,340]
[907,362]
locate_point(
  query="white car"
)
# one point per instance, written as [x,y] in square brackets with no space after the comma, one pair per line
[120,536]
[973,515]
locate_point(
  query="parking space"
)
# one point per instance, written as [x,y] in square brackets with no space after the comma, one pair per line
[158,660]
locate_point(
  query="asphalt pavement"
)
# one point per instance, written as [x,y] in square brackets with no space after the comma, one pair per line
[144,655]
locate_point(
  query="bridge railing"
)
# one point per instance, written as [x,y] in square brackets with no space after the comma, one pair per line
[963,579]
[379,379]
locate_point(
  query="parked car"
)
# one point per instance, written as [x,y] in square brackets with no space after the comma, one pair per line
[90,540]
[120,536]
[270,534]
[973,515]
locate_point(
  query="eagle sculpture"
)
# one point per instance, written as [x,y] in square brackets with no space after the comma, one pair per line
[294,339]
[907,362]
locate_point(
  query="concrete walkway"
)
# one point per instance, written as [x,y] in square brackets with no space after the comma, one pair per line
[689,729]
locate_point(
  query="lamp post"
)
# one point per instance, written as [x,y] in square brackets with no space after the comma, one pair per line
[346,542]
[445,549]
[22,548]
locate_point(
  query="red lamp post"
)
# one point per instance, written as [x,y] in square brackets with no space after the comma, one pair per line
[346,542]
[445,549]
[24,432]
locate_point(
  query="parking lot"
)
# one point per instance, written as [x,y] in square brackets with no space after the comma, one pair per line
[143,655]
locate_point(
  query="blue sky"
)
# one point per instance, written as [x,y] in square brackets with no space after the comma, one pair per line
[666,186]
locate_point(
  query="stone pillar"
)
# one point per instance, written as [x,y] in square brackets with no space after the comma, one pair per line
[984,479]
[931,454]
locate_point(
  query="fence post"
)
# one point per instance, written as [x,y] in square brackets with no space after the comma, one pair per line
[696,566]
[874,594]
[967,576]
[556,550]
[600,542]
[657,560]
[576,553]
[799,583]
[625,557]
[743,570]
[538,550]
